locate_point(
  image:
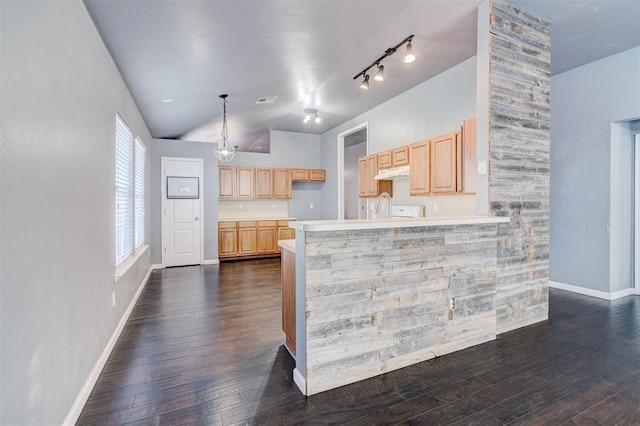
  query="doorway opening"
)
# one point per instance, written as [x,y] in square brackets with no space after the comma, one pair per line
[636,244]
[352,144]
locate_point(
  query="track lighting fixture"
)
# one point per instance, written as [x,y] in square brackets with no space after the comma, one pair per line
[310,113]
[365,82]
[224,151]
[379,76]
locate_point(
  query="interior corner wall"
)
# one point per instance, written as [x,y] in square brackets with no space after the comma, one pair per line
[581,120]
[519,146]
[60,93]
[434,107]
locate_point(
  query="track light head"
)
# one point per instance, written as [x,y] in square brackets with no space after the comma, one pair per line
[409,57]
[365,82]
[379,74]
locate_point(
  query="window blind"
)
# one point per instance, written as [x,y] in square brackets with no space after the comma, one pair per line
[124,191]
[140,153]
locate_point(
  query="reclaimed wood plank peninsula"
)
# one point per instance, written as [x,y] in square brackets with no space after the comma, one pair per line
[374,296]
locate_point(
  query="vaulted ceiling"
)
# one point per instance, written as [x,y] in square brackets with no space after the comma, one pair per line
[306,52]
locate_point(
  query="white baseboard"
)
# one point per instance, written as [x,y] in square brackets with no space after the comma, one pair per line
[211,262]
[299,381]
[157,266]
[85,391]
[593,293]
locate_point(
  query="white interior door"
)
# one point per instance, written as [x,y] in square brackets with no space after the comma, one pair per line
[182,228]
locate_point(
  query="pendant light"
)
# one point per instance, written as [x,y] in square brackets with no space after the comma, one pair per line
[224,151]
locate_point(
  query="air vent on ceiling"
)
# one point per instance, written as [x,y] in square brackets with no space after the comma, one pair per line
[265,100]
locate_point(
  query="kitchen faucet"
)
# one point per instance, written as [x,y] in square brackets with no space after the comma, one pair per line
[376,210]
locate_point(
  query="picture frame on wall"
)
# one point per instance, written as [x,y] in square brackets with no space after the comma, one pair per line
[182,187]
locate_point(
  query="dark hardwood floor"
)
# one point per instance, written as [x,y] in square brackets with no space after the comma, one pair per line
[204,346]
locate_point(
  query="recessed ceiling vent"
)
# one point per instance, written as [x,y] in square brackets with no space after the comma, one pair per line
[265,100]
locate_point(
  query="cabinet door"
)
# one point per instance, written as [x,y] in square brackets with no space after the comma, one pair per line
[245,177]
[247,241]
[362,177]
[469,162]
[264,183]
[372,171]
[400,156]
[226,182]
[419,168]
[288,277]
[282,184]
[267,241]
[227,239]
[300,175]
[443,163]
[317,175]
[384,160]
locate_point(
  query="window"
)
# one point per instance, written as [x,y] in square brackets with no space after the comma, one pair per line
[129,196]
[124,190]
[140,153]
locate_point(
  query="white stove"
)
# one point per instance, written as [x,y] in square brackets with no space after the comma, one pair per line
[407,211]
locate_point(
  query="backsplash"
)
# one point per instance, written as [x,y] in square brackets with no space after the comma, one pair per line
[252,209]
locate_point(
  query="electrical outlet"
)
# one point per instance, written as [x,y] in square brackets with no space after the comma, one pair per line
[310,205]
[241,206]
[482,167]
[113,299]
[435,207]
[273,206]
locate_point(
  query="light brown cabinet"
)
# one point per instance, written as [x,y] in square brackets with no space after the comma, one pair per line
[444,163]
[469,168]
[308,175]
[247,238]
[288,277]
[282,184]
[236,182]
[251,238]
[393,158]
[368,187]
[264,183]
[227,239]
[419,175]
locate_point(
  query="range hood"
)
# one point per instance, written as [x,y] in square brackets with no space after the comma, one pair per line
[393,173]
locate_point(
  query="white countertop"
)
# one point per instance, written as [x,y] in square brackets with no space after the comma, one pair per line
[399,222]
[288,245]
[242,219]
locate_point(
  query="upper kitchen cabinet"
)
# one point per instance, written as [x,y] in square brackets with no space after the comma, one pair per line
[236,182]
[308,175]
[393,158]
[264,183]
[368,187]
[444,164]
[282,184]
[469,155]
[419,167]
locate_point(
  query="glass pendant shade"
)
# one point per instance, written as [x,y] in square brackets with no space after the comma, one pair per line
[224,151]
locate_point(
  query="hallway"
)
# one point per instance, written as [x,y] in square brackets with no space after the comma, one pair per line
[204,346]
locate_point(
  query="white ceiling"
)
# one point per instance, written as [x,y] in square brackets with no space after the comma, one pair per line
[306,53]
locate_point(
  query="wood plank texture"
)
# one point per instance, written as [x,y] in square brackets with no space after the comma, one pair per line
[204,346]
[519,162]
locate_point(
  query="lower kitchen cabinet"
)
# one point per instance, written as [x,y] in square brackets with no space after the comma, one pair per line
[251,238]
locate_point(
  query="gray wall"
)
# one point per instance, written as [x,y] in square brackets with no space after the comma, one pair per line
[585,103]
[170,148]
[351,156]
[434,107]
[60,92]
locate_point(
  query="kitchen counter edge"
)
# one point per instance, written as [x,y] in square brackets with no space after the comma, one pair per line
[354,224]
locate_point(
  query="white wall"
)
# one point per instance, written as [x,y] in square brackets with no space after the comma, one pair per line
[585,155]
[434,107]
[60,92]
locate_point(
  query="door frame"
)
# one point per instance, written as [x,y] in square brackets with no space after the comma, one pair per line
[340,142]
[163,177]
[636,214]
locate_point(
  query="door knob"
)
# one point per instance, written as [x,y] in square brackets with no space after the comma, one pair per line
[196,218]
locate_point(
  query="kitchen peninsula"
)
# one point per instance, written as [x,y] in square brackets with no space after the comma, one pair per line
[372,296]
